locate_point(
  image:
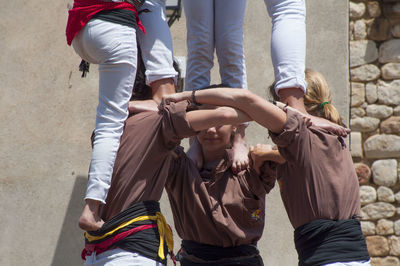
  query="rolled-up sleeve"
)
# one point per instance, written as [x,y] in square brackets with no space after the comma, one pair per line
[294,140]
[289,132]
[175,125]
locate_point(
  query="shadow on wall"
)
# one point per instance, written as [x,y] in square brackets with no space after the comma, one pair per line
[71,242]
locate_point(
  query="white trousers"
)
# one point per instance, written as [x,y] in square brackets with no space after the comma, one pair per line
[350,263]
[113,47]
[219,24]
[119,257]
[156,43]
[215,24]
[288,42]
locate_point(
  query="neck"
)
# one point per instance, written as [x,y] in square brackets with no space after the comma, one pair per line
[294,98]
[213,157]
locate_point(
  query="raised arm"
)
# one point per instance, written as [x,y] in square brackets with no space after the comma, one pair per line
[264,152]
[258,109]
[203,119]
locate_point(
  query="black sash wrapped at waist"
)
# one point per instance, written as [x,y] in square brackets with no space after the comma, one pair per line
[194,253]
[135,3]
[137,229]
[327,241]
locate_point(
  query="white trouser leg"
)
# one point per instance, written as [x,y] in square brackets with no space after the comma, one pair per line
[350,263]
[200,42]
[288,42]
[156,44]
[113,47]
[120,257]
[228,24]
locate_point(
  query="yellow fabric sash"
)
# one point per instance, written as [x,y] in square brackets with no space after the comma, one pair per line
[163,229]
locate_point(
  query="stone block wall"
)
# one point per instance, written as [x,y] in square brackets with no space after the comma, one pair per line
[375,122]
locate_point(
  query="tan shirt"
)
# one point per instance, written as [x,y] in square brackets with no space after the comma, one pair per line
[217,208]
[144,157]
[318,181]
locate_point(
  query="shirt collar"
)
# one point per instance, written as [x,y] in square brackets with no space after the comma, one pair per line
[223,165]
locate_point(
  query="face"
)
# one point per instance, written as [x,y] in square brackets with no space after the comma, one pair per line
[216,138]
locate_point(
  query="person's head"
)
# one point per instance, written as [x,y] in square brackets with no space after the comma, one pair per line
[216,139]
[318,97]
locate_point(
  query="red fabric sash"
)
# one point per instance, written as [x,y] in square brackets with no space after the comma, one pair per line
[103,246]
[84,10]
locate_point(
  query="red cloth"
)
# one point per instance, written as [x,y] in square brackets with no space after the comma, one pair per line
[84,10]
[103,246]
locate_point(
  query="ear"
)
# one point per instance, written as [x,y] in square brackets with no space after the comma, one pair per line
[234,129]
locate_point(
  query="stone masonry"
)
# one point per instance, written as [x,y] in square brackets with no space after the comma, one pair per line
[375,122]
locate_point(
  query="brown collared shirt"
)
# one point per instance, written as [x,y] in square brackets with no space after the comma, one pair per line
[217,207]
[318,180]
[144,156]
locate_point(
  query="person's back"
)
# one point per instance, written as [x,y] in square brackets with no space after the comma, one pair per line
[143,158]
[318,180]
[132,215]
[319,186]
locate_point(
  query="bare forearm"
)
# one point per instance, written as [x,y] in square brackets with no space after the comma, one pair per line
[274,156]
[223,97]
[258,109]
[260,155]
[217,97]
[203,119]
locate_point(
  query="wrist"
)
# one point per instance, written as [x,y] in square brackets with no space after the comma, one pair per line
[192,98]
[281,105]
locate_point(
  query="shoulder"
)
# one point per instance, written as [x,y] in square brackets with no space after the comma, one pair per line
[294,128]
[143,120]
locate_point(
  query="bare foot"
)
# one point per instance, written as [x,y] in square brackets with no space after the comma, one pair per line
[90,219]
[240,159]
[142,106]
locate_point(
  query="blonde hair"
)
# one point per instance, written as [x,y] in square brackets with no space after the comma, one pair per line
[318,97]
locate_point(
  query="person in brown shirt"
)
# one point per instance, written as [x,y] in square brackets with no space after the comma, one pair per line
[319,185]
[134,226]
[219,215]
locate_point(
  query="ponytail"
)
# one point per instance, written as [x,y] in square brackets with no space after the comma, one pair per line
[318,97]
[332,114]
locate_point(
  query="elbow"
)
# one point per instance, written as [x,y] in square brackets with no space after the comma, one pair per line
[227,115]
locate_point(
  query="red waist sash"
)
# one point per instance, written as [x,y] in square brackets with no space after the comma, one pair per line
[84,10]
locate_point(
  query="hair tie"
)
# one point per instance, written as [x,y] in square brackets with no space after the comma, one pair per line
[323,104]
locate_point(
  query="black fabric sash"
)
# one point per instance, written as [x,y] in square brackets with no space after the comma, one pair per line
[144,242]
[135,3]
[327,241]
[118,16]
[194,253]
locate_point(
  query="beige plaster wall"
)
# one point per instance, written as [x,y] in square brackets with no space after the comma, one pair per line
[47,114]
